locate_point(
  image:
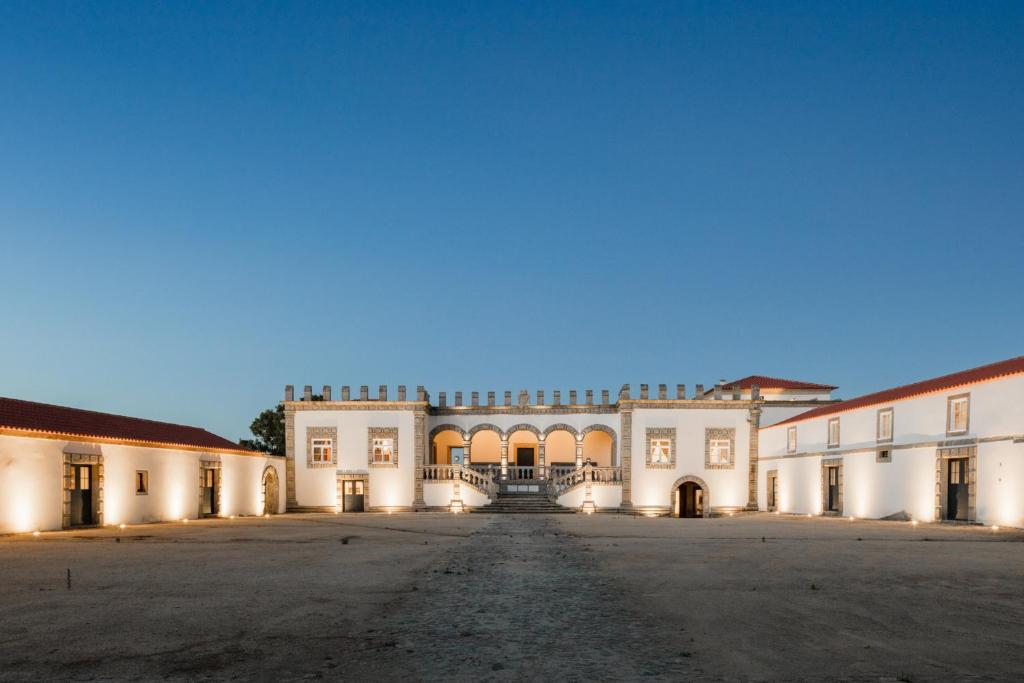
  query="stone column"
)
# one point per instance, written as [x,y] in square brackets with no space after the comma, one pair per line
[289,463]
[504,458]
[579,452]
[755,422]
[626,457]
[540,459]
[420,437]
[465,452]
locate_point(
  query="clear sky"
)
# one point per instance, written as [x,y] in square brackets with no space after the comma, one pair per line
[200,203]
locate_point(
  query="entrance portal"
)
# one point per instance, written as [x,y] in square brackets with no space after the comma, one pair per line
[209,506]
[833,489]
[270,491]
[83,502]
[690,500]
[773,491]
[352,498]
[957,494]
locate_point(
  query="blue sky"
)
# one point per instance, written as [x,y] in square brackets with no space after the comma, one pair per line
[200,203]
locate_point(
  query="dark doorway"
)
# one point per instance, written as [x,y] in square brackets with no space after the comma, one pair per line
[210,477]
[524,458]
[773,491]
[690,500]
[957,492]
[833,488]
[83,500]
[352,498]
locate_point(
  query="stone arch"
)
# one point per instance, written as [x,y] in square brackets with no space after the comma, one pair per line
[610,432]
[562,427]
[699,482]
[522,427]
[271,490]
[485,426]
[448,428]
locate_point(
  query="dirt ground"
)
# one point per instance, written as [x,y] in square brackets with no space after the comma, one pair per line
[507,597]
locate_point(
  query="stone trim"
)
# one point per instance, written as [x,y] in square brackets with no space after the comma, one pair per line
[523,427]
[289,463]
[949,414]
[420,446]
[772,482]
[753,456]
[270,473]
[96,484]
[705,498]
[339,492]
[562,427]
[626,427]
[204,466]
[660,433]
[942,480]
[826,465]
[607,430]
[878,425]
[484,426]
[719,433]
[381,433]
[321,433]
[446,428]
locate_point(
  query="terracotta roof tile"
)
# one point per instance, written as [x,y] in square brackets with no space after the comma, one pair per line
[983,373]
[42,417]
[775,383]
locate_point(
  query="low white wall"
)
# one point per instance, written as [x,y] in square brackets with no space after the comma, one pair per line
[605,497]
[440,494]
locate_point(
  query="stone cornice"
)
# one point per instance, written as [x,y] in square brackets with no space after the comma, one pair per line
[561,409]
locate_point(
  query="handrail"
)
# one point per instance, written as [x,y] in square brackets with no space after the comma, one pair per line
[600,475]
[441,473]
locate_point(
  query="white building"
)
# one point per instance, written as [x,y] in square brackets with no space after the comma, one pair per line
[656,454]
[63,467]
[949,448]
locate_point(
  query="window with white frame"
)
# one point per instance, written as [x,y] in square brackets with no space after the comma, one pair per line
[383,450]
[885,424]
[833,432]
[791,440]
[720,451]
[322,450]
[661,451]
[958,414]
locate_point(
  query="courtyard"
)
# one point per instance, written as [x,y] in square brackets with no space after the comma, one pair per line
[510,597]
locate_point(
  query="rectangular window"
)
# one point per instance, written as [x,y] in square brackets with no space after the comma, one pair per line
[958,411]
[885,424]
[791,440]
[383,451]
[720,452]
[661,451]
[322,450]
[884,455]
[141,482]
[833,432]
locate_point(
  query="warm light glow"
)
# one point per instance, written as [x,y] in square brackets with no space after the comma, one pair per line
[852,518]
[121,526]
[231,517]
[184,520]
[35,533]
[913,522]
[995,528]
[268,515]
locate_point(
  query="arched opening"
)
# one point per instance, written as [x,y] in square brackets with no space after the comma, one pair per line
[485,452]
[522,453]
[270,491]
[447,448]
[597,448]
[690,498]
[560,449]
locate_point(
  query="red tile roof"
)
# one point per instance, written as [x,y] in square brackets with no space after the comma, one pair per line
[775,383]
[1013,366]
[58,420]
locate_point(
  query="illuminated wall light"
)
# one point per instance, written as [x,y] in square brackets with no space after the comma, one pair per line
[184,520]
[35,533]
[995,527]
[121,526]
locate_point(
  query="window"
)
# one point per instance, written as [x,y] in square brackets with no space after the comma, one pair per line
[720,452]
[833,432]
[885,424]
[322,450]
[957,414]
[141,482]
[661,451]
[884,455]
[383,450]
[791,440]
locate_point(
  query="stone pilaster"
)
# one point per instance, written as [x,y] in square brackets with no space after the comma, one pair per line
[540,459]
[579,452]
[626,429]
[755,429]
[420,447]
[289,453]
[466,458]
[504,458]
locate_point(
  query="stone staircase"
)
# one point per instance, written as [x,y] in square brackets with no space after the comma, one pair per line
[525,503]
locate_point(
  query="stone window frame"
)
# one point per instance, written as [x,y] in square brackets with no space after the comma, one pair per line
[145,482]
[321,433]
[653,433]
[942,455]
[720,434]
[949,414]
[878,424]
[339,493]
[381,433]
[206,464]
[791,442]
[96,484]
[826,465]
[883,458]
[828,439]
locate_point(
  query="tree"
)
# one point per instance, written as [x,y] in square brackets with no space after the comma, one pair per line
[268,428]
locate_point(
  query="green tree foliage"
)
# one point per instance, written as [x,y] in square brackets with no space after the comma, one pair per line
[268,428]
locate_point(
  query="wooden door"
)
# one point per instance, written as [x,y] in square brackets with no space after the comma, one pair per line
[353,496]
[833,489]
[957,493]
[83,511]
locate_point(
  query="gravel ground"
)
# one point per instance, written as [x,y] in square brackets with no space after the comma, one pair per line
[496,597]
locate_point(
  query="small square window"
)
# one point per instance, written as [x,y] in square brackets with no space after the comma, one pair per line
[141,482]
[885,419]
[720,452]
[322,450]
[383,451]
[661,451]
[833,433]
[958,414]
[791,440]
[884,455]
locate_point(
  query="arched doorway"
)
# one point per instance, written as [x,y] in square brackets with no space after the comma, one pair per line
[270,491]
[690,498]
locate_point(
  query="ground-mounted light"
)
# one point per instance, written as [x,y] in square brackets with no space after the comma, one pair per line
[995,527]
[35,533]
[121,526]
[184,520]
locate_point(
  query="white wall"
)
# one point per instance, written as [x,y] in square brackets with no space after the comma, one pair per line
[605,497]
[440,494]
